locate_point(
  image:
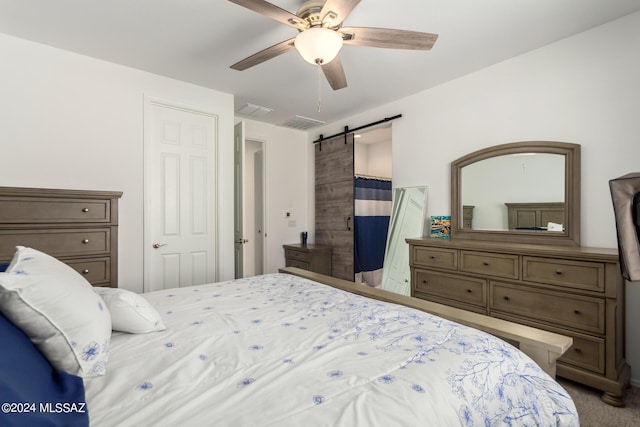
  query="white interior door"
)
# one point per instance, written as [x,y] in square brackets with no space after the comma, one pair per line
[180,196]
[238,215]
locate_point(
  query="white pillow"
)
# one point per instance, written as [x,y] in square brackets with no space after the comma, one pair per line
[58,310]
[130,312]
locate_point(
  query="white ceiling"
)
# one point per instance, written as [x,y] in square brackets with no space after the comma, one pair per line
[197,40]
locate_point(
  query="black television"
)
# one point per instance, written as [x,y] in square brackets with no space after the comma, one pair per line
[625,194]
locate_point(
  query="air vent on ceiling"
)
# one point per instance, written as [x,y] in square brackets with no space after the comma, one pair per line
[254,110]
[302,123]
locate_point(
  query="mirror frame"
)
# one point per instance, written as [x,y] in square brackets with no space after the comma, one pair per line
[571,235]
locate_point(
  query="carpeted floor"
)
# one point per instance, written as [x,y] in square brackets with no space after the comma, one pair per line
[594,412]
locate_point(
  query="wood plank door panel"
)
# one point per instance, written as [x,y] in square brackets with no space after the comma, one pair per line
[334,202]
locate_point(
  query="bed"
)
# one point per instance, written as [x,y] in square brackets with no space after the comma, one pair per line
[272,350]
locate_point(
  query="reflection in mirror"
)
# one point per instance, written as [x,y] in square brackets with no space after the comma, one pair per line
[408,220]
[519,192]
[491,188]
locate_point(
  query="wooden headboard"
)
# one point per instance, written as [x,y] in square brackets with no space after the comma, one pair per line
[78,227]
[530,215]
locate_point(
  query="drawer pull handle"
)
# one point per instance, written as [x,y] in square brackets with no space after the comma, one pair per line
[469,290]
[577,350]
[559,273]
[577,311]
[432,257]
[425,282]
[85,241]
[85,271]
[485,263]
[506,298]
[85,209]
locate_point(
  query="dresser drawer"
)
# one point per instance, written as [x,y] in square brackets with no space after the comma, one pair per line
[491,264]
[459,288]
[576,312]
[432,257]
[97,271]
[587,352]
[51,211]
[299,255]
[57,242]
[575,274]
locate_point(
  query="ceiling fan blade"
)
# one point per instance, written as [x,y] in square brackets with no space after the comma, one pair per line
[335,11]
[388,38]
[264,55]
[334,73]
[274,12]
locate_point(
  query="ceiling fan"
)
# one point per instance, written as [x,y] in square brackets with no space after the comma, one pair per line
[321,36]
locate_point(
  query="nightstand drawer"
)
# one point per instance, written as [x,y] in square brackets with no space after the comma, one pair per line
[308,257]
[438,258]
[464,289]
[576,312]
[298,264]
[490,264]
[575,274]
[298,255]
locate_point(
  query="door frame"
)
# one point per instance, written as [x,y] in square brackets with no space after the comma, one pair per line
[148,102]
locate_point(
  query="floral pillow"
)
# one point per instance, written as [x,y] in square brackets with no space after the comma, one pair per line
[58,310]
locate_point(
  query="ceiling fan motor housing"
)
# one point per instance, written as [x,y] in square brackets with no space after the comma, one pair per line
[310,12]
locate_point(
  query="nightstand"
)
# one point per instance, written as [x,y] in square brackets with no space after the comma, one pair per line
[308,257]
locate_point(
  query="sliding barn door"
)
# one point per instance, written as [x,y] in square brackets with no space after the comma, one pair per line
[334,202]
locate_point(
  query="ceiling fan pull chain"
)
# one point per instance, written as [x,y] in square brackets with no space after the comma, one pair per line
[319,87]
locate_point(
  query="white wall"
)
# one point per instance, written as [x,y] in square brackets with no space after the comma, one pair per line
[373,159]
[286,153]
[584,89]
[70,121]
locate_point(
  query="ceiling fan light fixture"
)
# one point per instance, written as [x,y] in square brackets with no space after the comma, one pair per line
[318,45]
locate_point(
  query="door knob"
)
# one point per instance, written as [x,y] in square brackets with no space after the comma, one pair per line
[242,241]
[158,245]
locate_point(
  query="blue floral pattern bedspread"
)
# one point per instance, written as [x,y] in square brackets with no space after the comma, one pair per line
[278,350]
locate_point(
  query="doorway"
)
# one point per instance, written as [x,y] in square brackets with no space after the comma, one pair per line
[249,205]
[372,202]
[254,208]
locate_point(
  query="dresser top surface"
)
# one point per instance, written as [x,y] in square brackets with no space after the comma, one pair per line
[54,193]
[603,254]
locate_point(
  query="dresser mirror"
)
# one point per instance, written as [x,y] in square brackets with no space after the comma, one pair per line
[521,192]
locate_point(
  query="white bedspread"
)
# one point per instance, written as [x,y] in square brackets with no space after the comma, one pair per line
[278,350]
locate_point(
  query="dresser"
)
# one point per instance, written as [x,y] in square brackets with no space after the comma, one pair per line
[310,257]
[573,291]
[77,227]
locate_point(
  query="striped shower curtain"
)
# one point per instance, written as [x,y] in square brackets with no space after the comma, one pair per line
[372,212]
